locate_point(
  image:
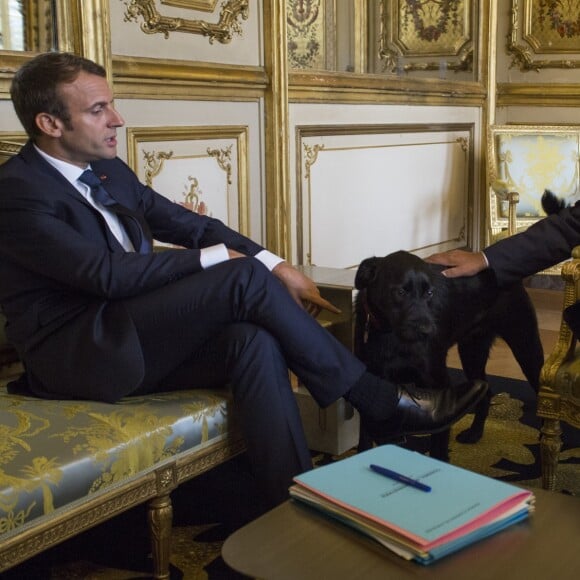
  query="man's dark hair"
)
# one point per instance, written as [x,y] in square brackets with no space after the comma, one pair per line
[35,87]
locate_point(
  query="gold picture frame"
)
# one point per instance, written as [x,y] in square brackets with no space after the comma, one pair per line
[203,160]
[542,28]
[154,22]
[427,35]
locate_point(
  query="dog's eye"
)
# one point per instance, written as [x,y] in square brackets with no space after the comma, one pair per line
[429,293]
[401,292]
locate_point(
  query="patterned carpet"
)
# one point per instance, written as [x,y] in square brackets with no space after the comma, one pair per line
[209,508]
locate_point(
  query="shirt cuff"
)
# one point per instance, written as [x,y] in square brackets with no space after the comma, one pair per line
[268,259]
[213,255]
[485,258]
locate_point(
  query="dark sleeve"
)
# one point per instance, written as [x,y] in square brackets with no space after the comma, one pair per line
[53,238]
[544,244]
[169,221]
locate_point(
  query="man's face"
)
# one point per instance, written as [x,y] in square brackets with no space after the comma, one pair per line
[91,132]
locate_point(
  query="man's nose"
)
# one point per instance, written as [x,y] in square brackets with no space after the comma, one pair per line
[116,120]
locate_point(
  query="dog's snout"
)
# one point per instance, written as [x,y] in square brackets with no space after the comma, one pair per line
[426,328]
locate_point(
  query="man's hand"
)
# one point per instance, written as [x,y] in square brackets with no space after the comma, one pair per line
[460,262]
[303,289]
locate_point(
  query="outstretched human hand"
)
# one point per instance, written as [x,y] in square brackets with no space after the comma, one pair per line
[460,262]
[303,290]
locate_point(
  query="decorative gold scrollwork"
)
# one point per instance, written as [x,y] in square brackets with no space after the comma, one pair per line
[154,162]
[224,160]
[463,143]
[154,22]
[311,157]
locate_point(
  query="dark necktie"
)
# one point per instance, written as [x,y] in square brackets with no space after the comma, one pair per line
[133,221]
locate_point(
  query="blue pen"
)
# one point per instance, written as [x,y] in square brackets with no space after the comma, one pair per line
[401,478]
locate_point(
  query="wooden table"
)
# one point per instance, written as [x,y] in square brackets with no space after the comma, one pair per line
[294,542]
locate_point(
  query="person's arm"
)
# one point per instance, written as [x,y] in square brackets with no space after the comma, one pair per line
[303,289]
[199,230]
[544,244]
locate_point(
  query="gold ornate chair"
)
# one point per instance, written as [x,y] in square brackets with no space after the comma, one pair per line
[523,161]
[559,396]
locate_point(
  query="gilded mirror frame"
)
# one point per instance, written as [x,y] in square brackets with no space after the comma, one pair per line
[82,27]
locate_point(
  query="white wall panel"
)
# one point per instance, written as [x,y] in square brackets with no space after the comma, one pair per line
[371,194]
[367,183]
[247,114]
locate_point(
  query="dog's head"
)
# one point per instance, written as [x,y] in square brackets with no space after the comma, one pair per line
[398,294]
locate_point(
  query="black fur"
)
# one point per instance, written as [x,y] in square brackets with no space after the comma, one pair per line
[551,204]
[408,315]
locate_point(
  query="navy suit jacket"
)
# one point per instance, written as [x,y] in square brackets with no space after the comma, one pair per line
[546,243]
[63,275]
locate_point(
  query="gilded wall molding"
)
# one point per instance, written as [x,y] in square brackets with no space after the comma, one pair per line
[39,32]
[538,94]
[277,133]
[202,5]
[545,28]
[154,157]
[329,87]
[149,78]
[155,23]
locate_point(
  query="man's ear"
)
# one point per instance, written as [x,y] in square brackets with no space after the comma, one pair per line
[49,124]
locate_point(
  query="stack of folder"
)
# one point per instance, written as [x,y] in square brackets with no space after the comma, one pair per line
[420,508]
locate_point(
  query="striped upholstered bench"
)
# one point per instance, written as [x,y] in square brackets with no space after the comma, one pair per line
[66,466]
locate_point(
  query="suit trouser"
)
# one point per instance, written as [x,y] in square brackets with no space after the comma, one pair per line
[235,323]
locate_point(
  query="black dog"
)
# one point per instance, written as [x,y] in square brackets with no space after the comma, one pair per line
[408,315]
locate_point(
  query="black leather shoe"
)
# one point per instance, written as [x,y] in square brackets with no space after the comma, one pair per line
[427,411]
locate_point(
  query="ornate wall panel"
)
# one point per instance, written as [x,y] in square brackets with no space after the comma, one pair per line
[205,169]
[371,190]
[311,34]
[422,35]
[544,34]
[152,21]
[226,32]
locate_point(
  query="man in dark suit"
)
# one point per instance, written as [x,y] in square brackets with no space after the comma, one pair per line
[546,243]
[95,314]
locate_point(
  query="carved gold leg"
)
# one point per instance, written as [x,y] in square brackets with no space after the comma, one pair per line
[160,517]
[550,445]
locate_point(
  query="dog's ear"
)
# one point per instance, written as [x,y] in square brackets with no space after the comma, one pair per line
[552,204]
[366,273]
